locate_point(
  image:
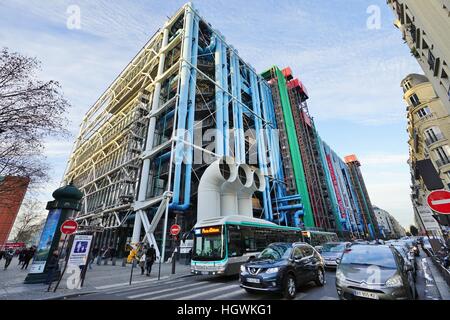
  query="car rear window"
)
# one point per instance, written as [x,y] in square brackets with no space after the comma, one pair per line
[370,255]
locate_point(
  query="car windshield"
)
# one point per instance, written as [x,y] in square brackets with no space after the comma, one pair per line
[275,252]
[380,256]
[333,247]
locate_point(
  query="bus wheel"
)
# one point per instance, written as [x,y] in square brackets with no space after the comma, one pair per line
[251,291]
[289,287]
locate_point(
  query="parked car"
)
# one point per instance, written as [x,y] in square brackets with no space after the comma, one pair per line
[374,272]
[331,251]
[282,268]
[407,255]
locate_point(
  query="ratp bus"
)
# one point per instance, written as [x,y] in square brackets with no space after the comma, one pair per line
[319,238]
[222,245]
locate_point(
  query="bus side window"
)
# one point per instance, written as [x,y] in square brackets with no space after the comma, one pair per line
[235,243]
[260,237]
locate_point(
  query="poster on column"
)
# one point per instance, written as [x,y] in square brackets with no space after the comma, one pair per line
[46,241]
[80,250]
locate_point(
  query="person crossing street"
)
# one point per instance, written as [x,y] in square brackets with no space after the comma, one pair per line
[150,259]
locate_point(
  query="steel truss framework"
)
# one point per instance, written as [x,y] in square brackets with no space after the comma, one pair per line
[128,151]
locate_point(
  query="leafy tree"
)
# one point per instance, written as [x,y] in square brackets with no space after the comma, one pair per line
[30,111]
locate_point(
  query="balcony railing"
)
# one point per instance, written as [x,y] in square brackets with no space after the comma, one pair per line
[437,137]
[442,162]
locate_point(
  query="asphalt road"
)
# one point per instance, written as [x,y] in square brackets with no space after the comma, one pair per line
[210,288]
[227,288]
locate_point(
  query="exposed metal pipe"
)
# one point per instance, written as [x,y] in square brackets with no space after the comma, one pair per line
[219,99]
[143,184]
[184,104]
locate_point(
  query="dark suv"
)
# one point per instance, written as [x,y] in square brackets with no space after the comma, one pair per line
[283,267]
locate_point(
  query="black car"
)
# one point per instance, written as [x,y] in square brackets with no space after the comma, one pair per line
[283,267]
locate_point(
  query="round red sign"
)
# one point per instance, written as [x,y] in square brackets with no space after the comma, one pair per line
[439,201]
[175,230]
[69,227]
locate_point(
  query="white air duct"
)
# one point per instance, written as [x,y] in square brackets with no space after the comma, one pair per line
[257,183]
[219,172]
[230,190]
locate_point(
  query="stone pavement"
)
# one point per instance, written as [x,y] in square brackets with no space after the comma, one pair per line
[100,278]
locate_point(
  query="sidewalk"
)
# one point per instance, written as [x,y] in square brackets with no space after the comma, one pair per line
[441,284]
[103,277]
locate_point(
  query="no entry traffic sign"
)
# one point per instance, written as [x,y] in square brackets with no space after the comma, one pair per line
[175,230]
[69,227]
[439,201]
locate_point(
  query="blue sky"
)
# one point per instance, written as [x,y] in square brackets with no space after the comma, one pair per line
[352,73]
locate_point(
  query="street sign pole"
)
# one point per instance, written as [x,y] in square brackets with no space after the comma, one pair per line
[59,255]
[65,267]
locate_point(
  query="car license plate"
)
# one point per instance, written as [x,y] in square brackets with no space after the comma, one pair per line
[364,294]
[253,280]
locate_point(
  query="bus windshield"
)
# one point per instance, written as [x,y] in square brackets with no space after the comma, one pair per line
[208,247]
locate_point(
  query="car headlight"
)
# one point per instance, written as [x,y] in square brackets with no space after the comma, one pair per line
[243,269]
[395,281]
[340,275]
[272,270]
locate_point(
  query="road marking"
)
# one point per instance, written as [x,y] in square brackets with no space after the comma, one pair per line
[300,295]
[228,295]
[110,286]
[438,202]
[208,292]
[175,293]
[329,298]
[126,291]
[164,290]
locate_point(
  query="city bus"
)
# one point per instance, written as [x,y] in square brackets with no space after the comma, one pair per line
[222,245]
[319,238]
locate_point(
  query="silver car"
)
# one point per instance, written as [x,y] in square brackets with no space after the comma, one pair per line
[331,251]
[374,272]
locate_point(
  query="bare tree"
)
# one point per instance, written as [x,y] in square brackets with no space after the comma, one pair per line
[30,111]
[29,222]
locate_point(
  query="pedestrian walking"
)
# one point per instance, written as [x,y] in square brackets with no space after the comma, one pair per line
[9,255]
[29,254]
[142,261]
[150,259]
[189,257]
[22,255]
[93,256]
[53,267]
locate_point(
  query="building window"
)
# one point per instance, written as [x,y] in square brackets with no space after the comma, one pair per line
[431,60]
[414,100]
[443,154]
[425,111]
[433,135]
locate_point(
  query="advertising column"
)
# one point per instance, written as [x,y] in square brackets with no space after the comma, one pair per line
[66,204]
